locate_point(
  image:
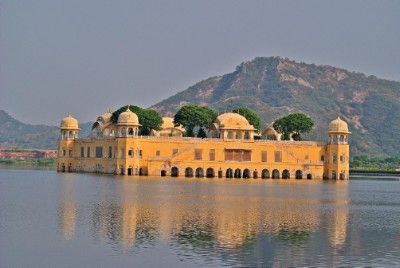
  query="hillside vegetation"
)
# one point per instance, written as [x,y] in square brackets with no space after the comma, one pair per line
[15,134]
[274,87]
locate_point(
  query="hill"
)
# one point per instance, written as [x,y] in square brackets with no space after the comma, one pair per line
[274,87]
[15,134]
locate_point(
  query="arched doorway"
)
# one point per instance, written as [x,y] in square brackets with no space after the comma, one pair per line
[174,172]
[70,168]
[238,173]
[189,172]
[309,176]
[210,173]
[265,174]
[333,175]
[275,174]
[199,173]
[122,170]
[285,174]
[130,171]
[229,173]
[246,173]
[63,168]
[163,173]
[299,174]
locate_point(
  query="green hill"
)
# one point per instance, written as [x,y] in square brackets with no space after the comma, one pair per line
[274,87]
[15,134]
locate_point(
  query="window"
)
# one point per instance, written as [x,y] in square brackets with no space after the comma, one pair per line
[333,159]
[99,152]
[158,153]
[212,154]
[140,153]
[130,153]
[82,151]
[70,153]
[121,152]
[341,159]
[88,152]
[238,155]
[263,156]
[110,152]
[278,156]
[322,158]
[198,154]
[64,153]
[174,151]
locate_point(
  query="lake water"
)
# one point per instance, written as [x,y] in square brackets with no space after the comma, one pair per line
[50,219]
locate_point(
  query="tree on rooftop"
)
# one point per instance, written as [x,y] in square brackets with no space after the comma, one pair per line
[251,116]
[297,123]
[191,116]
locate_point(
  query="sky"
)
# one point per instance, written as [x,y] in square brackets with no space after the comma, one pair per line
[86,56]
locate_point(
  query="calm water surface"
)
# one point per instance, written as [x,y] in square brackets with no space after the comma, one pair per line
[48,219]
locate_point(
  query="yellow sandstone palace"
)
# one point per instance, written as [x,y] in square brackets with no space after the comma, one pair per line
[231,151]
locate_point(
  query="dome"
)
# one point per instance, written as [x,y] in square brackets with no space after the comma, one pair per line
[168,123]
[338,125]
[128,118]
[69,123]
[233,121]
[105,118]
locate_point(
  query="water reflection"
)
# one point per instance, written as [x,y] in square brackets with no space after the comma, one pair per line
[263,222]
[67,209]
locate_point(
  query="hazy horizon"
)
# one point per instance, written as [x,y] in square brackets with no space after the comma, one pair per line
[83,57]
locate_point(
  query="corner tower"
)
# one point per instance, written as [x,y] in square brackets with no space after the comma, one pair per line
[337,151]
[69,129]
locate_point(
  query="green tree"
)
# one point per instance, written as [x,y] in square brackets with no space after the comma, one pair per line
[149,119]
[297,122]
[251,116]
[191,116]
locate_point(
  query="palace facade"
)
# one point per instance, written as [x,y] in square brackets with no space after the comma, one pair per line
[230,150]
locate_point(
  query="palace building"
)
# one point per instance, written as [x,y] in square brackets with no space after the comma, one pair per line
[230,150]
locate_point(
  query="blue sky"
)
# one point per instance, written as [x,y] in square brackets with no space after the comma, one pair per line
[85,56]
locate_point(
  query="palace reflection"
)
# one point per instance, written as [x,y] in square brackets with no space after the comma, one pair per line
[248,216]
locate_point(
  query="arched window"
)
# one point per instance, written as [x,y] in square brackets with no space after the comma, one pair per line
[174,172]
[246,173]
[275,174]
[238,135]
[309,176]
[210,173]
[238,173]
[285,174]
[230,135]
[163,173]
[265,174]
[247,135]
[299,174]
[199,173]
[130,131]
[229,173]
[189,172]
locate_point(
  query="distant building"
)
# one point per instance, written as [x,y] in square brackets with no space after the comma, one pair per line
[230,151]
[27,154]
